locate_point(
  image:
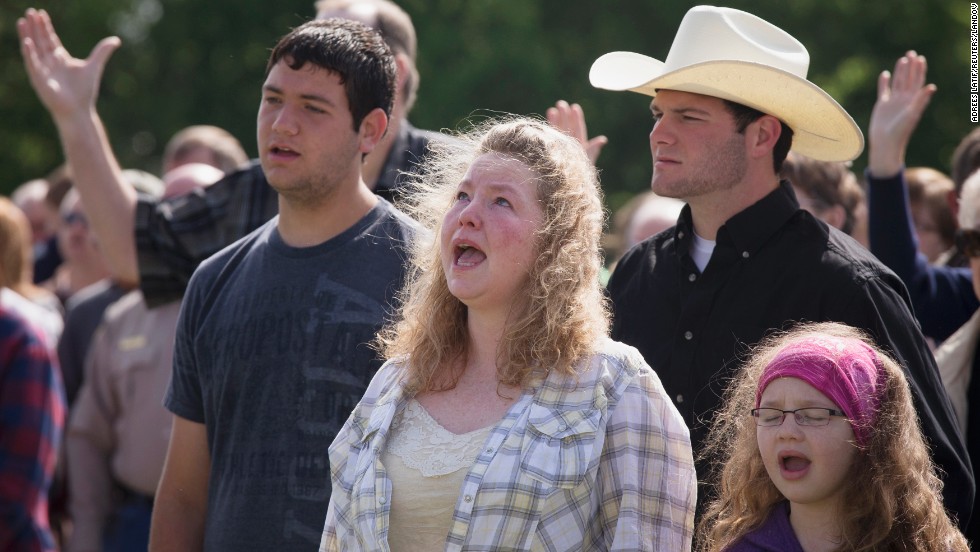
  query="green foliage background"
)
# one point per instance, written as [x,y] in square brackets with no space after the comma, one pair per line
[193,62]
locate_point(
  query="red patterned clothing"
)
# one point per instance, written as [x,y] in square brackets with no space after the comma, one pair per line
[32,418]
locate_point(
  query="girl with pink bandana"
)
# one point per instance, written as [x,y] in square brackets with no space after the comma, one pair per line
[819,448]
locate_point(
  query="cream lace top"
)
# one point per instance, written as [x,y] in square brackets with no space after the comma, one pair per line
[426,464]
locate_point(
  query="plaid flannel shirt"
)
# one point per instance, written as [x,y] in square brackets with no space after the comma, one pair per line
[598,462]
[32,417]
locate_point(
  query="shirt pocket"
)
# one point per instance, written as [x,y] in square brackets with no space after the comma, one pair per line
[559,445]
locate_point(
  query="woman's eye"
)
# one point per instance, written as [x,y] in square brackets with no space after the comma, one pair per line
[501,201]
[460,196]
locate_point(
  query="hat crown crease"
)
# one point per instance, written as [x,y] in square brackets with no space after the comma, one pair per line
[745,38]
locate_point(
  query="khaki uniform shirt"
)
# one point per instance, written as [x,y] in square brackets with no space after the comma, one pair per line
[119,430]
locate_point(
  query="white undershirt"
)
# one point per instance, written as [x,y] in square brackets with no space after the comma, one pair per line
[701,250]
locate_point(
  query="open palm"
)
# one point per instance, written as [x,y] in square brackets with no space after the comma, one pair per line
[65,84]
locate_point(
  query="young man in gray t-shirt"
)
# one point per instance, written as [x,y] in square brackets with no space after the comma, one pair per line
[271,348]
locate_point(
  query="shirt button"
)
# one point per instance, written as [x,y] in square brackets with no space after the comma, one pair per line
[691,277]
[745,254]
[680,235]
[562,427]
[468,498]
[489,450]
[680,399]
[382,500]
[688,335]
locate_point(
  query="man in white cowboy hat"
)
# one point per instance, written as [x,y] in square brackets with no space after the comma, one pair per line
[729,102]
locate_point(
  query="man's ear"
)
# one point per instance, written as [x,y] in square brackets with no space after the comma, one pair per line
[403,71]
[761,135]
[372,129]
[954,203]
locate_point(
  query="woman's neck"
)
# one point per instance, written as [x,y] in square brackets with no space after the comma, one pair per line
[483,347]
[477,398]
[817,526]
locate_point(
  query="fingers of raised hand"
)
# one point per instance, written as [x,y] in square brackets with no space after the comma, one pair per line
[910,72]
[568,118]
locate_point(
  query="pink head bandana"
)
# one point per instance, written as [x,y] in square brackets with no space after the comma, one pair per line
[845,370]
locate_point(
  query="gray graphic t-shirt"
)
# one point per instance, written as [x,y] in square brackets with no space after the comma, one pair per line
[271,355]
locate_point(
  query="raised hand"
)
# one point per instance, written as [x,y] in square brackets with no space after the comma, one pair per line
[571,120]
[902,97]
[67,86]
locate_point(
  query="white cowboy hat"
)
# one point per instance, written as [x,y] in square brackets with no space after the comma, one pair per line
[736,56]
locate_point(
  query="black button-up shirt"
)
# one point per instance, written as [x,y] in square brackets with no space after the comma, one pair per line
[773,265]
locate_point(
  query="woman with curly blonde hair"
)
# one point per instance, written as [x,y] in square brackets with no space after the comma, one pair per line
[505,417]
[819,448]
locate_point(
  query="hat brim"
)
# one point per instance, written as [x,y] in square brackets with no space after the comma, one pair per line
[822,129]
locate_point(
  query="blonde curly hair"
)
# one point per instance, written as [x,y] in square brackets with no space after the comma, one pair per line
[565,313]
[894,501]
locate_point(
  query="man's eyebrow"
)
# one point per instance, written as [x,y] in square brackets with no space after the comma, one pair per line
[680,110]
[311,97]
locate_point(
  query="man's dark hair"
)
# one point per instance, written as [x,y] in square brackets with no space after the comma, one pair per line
[744,115]
[356,53]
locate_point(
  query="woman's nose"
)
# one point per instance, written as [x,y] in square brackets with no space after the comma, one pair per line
[470,214]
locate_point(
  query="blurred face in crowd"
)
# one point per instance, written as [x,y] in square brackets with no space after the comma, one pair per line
[969,242]
[75,239]
[968,236]
[42,217]
[931,242]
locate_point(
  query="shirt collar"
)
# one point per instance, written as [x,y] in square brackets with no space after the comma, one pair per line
[749,229]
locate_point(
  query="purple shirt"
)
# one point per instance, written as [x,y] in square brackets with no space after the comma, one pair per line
[774,535]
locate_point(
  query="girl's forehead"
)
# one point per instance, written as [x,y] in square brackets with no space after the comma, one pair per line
[794,388]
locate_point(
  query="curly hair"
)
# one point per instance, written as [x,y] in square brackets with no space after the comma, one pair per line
[894,500]
[565,313]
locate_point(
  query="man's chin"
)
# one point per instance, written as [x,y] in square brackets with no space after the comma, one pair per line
[279,179]
[664,189]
